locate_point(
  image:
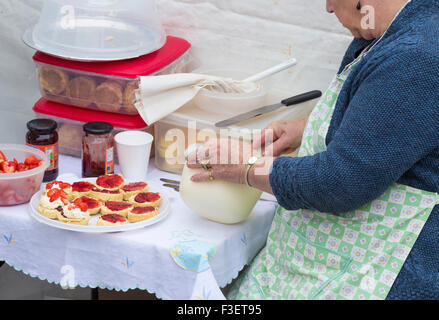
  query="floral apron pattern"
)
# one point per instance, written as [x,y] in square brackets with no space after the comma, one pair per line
[357,255]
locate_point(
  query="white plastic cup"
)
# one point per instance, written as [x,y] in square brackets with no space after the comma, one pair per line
[133,151]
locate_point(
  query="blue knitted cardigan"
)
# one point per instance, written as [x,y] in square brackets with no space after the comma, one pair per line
[385,129]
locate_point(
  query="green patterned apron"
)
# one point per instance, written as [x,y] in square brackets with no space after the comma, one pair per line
[357,255]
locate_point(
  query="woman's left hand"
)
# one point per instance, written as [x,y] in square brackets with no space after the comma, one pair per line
[226,158]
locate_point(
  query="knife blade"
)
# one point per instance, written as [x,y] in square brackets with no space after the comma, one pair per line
[264,110]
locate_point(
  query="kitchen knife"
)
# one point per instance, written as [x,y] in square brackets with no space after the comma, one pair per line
[263,110]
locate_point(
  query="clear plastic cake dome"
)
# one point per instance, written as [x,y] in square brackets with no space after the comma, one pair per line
[97,30]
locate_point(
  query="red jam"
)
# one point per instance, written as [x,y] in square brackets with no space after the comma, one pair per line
[106,191]
[143,210]
[82,186]
[114,218]
[117,205]
[147,197]
[110,181]
[91,203]
[135,186]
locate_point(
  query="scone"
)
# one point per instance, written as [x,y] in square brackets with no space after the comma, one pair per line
[129,97]
[106,195]
[109,220]
[133,189]
[81,91]
[146,199]
[53,80]
[111,182]
[74,214]
[64,186]
[142,213]
[82,189]
[116,207]
[109,96]
[94,206]
[51,202]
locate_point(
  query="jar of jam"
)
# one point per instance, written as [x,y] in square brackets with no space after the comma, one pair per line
[97,149]
[42,135]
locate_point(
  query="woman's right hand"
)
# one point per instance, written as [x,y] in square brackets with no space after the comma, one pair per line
[281,137]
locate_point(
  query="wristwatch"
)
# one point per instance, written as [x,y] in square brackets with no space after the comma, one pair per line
[251,162]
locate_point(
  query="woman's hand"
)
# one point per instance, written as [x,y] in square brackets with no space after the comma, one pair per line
[227,157]
[228,160]
[281,137]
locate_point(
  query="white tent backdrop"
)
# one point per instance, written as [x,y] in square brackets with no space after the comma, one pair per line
[246,34]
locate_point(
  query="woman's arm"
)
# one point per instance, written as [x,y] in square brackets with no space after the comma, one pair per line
[390,124]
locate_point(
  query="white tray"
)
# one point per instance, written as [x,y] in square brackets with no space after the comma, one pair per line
[164,209]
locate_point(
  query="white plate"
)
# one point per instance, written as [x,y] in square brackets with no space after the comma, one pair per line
[164,209]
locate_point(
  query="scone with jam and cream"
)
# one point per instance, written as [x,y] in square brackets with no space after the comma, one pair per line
[51,202]
[94,206]
[74,214]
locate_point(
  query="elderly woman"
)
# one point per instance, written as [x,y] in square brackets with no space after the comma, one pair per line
[356,216]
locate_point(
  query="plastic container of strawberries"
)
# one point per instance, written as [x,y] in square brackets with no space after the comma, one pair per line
[19,187]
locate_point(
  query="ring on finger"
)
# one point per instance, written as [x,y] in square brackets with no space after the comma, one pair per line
[205,164]
[211,177]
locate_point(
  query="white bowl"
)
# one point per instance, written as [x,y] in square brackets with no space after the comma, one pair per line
[229,104]
[19,187]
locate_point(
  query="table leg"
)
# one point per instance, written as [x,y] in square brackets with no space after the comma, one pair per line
[94,294]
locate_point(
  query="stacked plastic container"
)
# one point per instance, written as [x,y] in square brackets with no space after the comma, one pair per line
[90,55]
[76,92]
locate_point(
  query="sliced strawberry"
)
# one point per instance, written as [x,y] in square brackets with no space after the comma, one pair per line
[33,166]
[63,194]
[64,185]
[50,185]
[31,160]
[22,167]
[54,194]
[83,206]
[2,157]
[51,192]
[8,166]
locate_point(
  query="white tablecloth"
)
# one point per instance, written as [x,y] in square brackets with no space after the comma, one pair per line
[182,257]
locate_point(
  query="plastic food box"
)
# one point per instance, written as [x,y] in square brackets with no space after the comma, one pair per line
[71,120]
[190,125]
[19,187]
[107,86]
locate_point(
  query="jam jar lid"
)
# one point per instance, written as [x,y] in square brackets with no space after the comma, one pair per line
[98,127]
[42,125]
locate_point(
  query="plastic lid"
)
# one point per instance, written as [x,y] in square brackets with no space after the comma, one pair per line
[123,121]
[97,30]
[98,127]
[42,125]
[131,68]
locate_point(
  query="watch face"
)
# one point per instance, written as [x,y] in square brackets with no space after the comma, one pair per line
[252,160]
